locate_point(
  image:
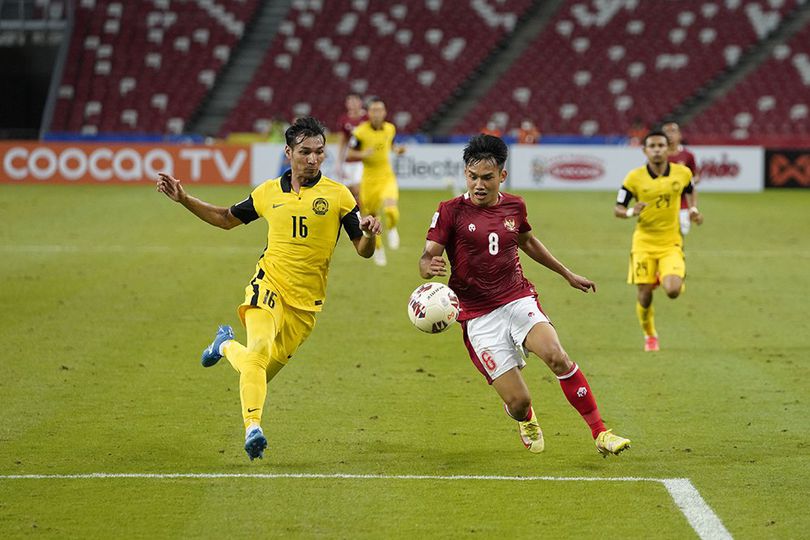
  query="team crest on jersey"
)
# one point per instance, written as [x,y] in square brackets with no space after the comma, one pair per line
[509,223]
[320,206]
[676,186]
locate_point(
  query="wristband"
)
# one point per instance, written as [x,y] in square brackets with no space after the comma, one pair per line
[630,212]
[366,234]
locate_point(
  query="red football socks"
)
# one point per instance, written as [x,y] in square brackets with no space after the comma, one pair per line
[576,389]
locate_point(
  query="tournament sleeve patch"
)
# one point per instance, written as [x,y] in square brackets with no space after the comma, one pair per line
[434,220]
[351,223]
[245,211]
[624,197]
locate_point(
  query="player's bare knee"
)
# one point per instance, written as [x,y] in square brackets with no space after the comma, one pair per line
[674,293]
[557,359]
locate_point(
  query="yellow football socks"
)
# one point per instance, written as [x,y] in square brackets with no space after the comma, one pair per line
[253,365]
[391,217]
[646,318]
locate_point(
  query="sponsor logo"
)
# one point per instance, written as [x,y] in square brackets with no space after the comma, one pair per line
[320,206]
[568,168]
[789,169]
[121,163]
[718,169]
[471,227]
[254,410]
[278,205]
[411,167]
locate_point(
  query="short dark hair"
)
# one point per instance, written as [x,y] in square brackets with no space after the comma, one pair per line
[486,148]
[374,99]
[302,128]
[654,133]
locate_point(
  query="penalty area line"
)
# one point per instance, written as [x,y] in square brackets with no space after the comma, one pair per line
[687,498]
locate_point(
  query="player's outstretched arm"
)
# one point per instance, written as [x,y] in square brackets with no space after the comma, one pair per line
[215,215]
[432,262]
[371,228]
[535,249]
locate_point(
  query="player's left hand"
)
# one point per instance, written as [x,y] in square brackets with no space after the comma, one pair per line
[371,225]
[580,282]
[696,216]
[399,149]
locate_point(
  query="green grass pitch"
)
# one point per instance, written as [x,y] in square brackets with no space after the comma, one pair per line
[110,293]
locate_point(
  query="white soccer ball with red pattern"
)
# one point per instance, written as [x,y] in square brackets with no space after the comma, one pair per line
[433,307]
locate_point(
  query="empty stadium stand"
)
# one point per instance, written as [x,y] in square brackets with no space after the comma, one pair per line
[601,65]
[414,54]
[770,106]
[145,66]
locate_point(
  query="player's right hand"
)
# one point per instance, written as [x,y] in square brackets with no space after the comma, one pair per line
[638,208]
[437,266]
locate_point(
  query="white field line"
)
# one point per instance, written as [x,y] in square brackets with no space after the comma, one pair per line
[701,517]
[39,249]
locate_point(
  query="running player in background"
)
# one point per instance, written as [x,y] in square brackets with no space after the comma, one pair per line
[657,250]
[350,171]
[679,154]
[304,212]
[501,318]
[373,141]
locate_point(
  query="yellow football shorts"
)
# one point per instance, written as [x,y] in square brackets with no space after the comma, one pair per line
[647,266]
[294,325]
[374,193]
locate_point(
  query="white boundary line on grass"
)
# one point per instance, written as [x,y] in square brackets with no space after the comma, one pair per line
[700,516]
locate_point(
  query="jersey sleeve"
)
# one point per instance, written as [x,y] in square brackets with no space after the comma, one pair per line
[626,192]
[692,164]
[441,227]
[349,214]
[248,210]
[354,139]
[524,218]
[351,223]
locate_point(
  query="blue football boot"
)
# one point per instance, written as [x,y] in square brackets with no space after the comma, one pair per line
[255,443]
[210,355]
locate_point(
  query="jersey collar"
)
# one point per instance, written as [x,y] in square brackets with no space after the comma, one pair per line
[286,181]
[653,175]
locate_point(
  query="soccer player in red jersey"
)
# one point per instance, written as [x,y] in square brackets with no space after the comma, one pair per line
[679,154]
[501,318]
[350,171]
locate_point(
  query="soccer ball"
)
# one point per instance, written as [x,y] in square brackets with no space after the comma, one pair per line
[433,307]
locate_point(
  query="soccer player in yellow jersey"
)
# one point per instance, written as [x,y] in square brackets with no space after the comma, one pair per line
[657,242]
[373,141]
[304,211]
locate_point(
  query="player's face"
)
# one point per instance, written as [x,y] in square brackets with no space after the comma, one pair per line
[656,149]
[376,113]
[353,104]
[484,180]
[673,132]
[307,156]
